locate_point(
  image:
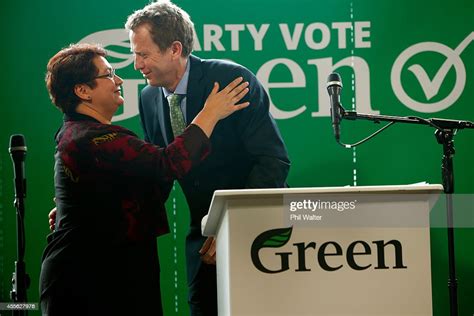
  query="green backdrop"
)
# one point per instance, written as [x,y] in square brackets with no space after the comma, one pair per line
[390,56]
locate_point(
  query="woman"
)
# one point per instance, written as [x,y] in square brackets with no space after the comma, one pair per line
[109,266]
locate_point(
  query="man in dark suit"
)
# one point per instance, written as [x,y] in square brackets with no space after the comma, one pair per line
[247,148]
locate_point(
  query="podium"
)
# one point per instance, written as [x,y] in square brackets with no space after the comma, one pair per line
[323,251]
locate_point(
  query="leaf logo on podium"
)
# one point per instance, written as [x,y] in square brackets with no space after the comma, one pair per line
[274,238]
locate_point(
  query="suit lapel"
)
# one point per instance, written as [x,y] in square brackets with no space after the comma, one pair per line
[196,89]
[162,118]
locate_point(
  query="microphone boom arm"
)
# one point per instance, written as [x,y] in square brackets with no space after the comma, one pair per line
[444,124]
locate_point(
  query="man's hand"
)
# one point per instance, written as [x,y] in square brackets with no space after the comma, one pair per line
[208,251]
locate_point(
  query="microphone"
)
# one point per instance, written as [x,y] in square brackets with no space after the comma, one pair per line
[20,279]
[18,153]
[334,86]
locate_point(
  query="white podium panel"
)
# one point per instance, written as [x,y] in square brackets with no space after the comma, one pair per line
[269,264]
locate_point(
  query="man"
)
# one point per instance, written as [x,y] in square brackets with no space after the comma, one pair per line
[247,149]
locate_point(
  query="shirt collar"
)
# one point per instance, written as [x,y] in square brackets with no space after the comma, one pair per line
[182,86]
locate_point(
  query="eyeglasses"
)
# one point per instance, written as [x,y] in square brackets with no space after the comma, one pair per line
[110,75]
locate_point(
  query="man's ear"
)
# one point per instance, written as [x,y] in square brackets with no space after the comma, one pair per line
[176,48]
[82,91]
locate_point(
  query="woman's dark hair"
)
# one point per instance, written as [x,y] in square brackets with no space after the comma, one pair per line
[71,66]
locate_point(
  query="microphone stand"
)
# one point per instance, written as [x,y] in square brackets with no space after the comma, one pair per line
[445,131]
[20,279]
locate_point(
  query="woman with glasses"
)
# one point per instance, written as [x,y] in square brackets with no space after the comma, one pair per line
[109,265]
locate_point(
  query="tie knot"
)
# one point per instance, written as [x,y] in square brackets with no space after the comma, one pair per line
[174,99]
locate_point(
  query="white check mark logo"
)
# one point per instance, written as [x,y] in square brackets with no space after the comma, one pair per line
[431,87]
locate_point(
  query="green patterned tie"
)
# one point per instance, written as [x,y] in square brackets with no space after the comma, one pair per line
[176,115]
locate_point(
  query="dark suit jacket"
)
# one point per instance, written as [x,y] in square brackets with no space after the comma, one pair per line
[247,149]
